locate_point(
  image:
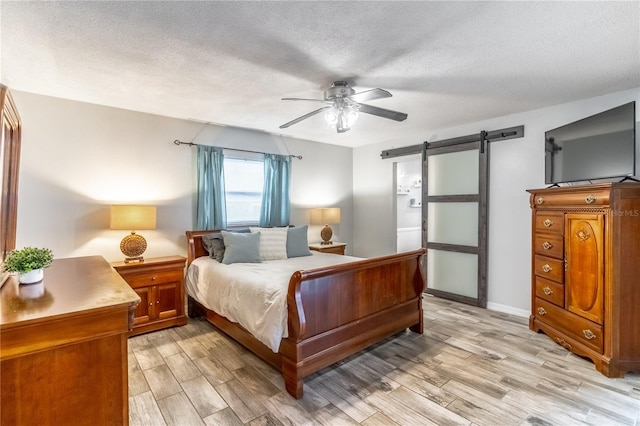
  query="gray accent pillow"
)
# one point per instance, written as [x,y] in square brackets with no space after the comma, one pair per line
[241,247]
[214,244]
[297,243]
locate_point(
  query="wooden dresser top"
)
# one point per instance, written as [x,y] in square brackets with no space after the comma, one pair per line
[71,286]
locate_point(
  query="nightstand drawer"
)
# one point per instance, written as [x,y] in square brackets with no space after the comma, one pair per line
[152,278]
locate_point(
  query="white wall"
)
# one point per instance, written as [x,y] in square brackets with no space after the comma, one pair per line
[516,165]
[79,158]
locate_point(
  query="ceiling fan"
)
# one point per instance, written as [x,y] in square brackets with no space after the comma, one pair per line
[343,106]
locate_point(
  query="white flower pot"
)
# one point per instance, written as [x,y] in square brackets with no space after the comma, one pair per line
[32,276]
[31,291]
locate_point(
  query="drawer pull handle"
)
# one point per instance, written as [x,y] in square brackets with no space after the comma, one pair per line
[157,302]
[150,303]
[540,200]
[548,223]
[547,291]
[541,311]
[153,278]
[590,199]
[547,268]
[547,245]
[563,343]
[588,334]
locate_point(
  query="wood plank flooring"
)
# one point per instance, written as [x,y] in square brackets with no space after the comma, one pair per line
[471,367]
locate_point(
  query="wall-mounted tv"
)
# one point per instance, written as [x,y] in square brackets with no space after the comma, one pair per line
[597,147]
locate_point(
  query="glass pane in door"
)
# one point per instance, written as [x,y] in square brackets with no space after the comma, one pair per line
[453,173]
[453,272]
[453,223]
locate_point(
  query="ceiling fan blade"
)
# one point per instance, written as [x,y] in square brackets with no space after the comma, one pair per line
[369,95]
[384,113]
[304,99]
[299,119]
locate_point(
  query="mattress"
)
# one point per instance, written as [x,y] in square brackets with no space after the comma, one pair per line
[253,295]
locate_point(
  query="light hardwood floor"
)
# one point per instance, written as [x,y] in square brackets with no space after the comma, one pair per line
[471,367]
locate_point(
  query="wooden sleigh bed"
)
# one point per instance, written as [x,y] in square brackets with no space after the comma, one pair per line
[332,312]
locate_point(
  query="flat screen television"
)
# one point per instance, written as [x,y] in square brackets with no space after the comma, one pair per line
[601,146]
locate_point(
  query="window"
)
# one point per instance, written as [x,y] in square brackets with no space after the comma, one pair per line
[244,182]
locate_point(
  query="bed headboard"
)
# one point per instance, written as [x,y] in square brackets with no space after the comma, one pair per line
[195,249]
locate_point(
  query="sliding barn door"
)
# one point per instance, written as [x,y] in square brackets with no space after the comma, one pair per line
[455,220]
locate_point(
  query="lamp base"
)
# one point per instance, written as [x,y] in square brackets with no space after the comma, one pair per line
[132,246]
[326,235]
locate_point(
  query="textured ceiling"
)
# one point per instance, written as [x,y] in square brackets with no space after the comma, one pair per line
[230,63]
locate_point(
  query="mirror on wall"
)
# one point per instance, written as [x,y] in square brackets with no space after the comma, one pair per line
[9,166]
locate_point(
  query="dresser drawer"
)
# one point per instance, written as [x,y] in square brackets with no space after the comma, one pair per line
[550,291]
[549,222]
[579,329]
[145,279]
[583,198]
[549,268]
[551,245]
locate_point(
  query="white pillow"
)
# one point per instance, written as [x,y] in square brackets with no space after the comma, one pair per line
[273,242]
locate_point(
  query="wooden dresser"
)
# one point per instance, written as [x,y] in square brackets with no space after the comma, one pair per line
[159,282]
[586,272]
[63,357]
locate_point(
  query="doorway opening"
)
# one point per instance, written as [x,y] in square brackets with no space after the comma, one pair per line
[408,203]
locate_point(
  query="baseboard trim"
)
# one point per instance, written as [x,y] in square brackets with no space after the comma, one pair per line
[508,309]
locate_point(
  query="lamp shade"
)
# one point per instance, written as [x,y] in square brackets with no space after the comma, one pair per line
[133,218]
[325,216]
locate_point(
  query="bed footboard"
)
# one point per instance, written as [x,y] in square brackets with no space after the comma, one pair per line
[336,311]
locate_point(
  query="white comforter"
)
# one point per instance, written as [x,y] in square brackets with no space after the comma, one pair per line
[253,294]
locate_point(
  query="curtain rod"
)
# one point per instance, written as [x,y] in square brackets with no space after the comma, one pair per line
[179,142]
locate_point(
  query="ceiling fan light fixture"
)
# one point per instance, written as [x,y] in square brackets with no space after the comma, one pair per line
[331,116]
[342,117]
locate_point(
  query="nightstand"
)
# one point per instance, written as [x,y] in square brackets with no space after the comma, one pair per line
[335,248]
[159,282]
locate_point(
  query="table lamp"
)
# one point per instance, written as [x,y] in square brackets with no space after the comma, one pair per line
[325,216]
[133,218]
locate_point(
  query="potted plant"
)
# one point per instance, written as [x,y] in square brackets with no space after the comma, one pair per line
[28,263]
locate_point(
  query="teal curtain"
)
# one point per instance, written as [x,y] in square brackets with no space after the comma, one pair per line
[211,208]
[275,197]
